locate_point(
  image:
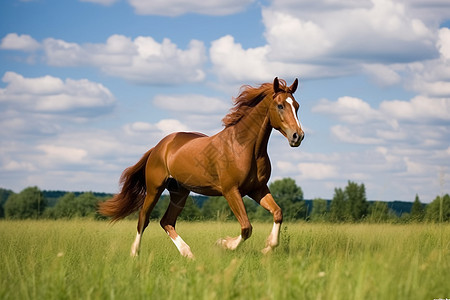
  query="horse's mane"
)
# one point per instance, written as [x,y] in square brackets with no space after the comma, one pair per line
[248,98]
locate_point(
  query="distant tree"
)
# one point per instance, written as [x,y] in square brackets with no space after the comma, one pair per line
[250,205]
[438,209]
[29,203]
[64,208]
[261,214]
[417,210]
[160,208]
[191,211]
[378,212]
[4,195]
[289,197]
[216,208]
[86,205]
[338,206]
[69,206]
[404,218]
[349,204]
[356,201]
[319,212]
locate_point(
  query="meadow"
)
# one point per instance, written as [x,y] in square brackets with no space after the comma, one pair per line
[84,259]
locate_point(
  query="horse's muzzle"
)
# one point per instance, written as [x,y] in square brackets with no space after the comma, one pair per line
[296,139]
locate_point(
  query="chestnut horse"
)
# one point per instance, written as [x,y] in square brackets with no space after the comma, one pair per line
[233,163]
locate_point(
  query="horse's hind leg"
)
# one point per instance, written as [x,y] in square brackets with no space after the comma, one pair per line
[150,201]
[178,196]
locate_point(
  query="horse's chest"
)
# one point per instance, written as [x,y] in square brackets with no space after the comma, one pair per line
[259,172]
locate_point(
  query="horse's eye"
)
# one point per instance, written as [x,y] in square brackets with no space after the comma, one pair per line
[280,106]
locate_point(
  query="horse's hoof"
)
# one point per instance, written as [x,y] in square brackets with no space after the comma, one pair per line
[266,250]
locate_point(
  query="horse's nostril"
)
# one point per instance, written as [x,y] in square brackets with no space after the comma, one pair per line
[295,136]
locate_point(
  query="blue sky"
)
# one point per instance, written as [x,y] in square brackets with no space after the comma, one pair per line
[88,86]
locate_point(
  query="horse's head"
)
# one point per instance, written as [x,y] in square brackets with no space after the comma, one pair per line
[283,112]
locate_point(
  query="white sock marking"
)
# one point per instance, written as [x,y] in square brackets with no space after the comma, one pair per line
[272,240]
[184,248]
[136,245]
[273,237]
[233,244]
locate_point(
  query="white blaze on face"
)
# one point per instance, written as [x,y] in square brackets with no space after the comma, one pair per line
[291,103]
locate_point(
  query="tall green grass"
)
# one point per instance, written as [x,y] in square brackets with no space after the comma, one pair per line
[90,260]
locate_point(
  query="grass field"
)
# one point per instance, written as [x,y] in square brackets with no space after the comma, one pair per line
[90,260]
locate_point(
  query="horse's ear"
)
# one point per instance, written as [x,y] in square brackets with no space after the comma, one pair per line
[293,87]
[276,85]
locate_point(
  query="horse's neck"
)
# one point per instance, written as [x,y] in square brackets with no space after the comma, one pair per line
[255,129]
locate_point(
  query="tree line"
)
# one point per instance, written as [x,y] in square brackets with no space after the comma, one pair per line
[349,204]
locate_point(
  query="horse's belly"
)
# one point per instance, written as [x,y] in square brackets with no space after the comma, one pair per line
[194,167]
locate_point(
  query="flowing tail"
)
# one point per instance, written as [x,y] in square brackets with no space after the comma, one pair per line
[132,195]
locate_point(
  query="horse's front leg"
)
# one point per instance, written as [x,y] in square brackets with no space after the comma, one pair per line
[236,204]
[265,199]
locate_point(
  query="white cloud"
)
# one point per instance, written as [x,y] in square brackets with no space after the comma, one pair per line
[420,109]
[348,109]
[433,12]
[101,2]
[141,60]
[168,126]
[431,77]
[23,42]
[52,95]
[13,165]
[46,106]
[233,63]
[383,75]
[292,39]
[443,43]
[60,53]
[160,129]
[391,171]
[379,30]
[355,135]
[286,167]
[421,121]
[340,38]
[64,154]
[197,104]
[317,171]
[180,7]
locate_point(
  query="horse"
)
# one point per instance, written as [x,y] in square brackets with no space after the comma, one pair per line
[232,163]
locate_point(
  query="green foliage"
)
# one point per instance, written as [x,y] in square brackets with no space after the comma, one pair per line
[319,212]
[70,206]
[349,204]
[338,207]
[289,197]
[356,201]
[28,204]
[439,209]
[417,210]
[378,212]
[216,208]
[4,195]
[191,211]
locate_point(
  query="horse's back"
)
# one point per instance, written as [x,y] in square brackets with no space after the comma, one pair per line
[180,139]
